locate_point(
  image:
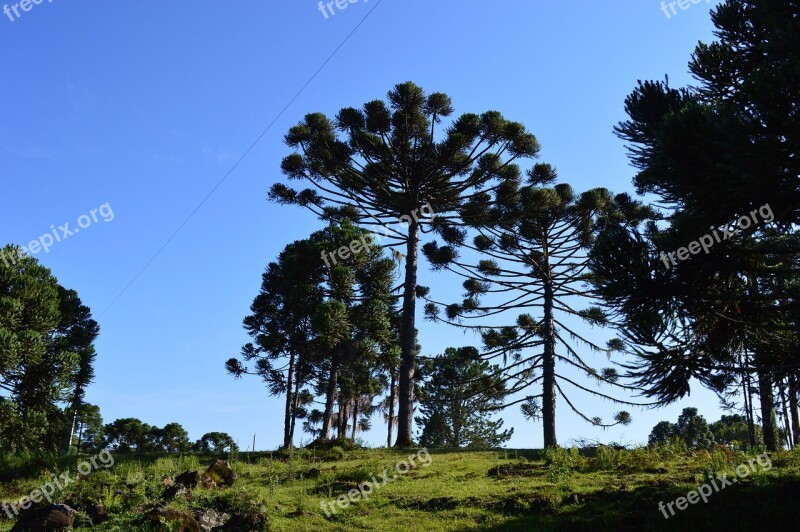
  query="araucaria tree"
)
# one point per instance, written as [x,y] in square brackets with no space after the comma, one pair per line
[384,163]
[459,394]
[280,325]
[529,253]
[46,356]
[721,160]
[323,321]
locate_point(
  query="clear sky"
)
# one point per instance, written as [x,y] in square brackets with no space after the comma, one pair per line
[146,105]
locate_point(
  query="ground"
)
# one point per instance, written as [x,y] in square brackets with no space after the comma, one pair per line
[440,490]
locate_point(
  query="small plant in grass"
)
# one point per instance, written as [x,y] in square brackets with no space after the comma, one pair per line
[560,463]
[336,453]
[302,502]
[643,458]
[608,458]
[356,475]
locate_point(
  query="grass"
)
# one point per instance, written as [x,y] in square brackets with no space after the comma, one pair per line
[507,490]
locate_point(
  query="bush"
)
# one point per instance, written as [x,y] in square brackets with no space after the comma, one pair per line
[561,462]
[609,458]
[336,453]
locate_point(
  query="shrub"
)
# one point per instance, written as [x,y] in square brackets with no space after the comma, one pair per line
[336,453]
[561,462]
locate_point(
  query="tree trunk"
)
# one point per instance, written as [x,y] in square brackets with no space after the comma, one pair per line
[408,342]
[793,407]
[287,417]
[75,407]
[296,403]
[355,419]
[748,408]
[330,396]
[392,387]
[341,428]
[785,412]
[769,422]
[549,370]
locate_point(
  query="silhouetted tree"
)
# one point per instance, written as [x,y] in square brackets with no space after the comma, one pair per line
[385,164]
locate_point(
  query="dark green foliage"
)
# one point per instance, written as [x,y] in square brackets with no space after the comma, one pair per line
[130,435]
[692,428]
[459,395]
[537,238]
[88,428]
[215,442]
[173,438]
[713,154]
[323,319]
[381,165]
[46,355]
[734,430]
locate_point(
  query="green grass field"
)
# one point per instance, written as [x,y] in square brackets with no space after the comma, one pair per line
[512,490]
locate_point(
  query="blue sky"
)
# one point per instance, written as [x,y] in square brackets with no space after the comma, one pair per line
[147,105]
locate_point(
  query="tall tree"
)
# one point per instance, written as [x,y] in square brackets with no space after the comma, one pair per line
[329,312]
[280,325]
[385,164]
[46,355]
[76,333]
[530,253]
[721,152]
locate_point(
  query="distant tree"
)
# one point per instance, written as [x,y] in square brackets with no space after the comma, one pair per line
[383,164]
[215,442]
[330,317]
[662,434]
[692,428]
[353,326]
[128,435]
[173,438]
[282,350]
[734,428]
[458,397]
[88,428]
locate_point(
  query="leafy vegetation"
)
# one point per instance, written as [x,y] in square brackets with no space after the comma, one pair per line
[560,489]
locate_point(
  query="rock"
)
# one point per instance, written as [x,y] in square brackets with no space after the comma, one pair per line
[47,518]
[210,519]
[207,482]
[190,479]
[221,473]
[247,522]
[313,473]
[175,491]
[98,513]
[184,520]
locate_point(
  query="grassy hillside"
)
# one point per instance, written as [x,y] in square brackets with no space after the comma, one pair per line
[441,490]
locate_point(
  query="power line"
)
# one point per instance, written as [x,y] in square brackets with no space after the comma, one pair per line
[236,164]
